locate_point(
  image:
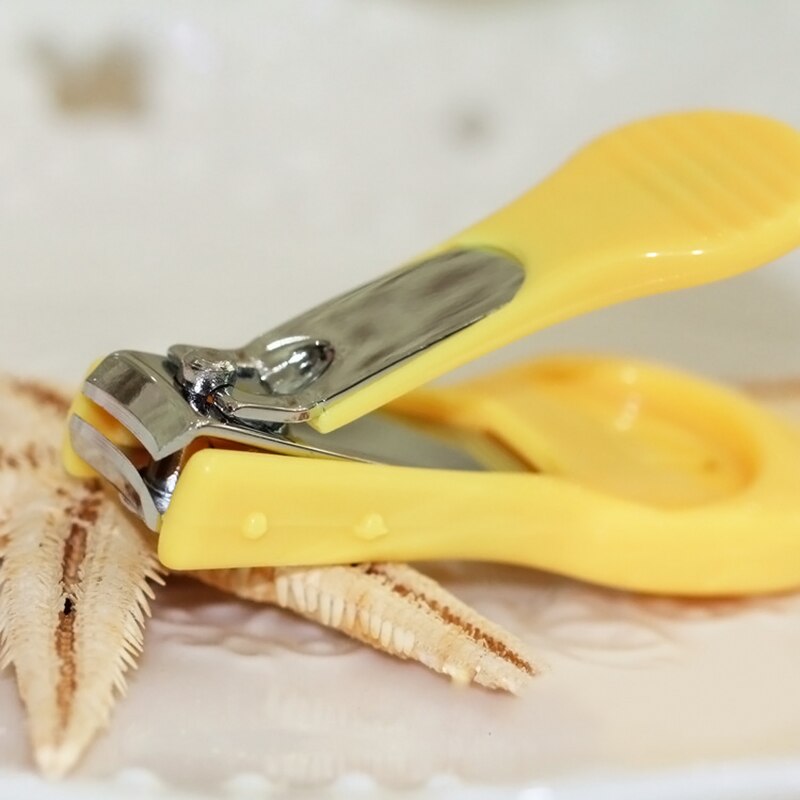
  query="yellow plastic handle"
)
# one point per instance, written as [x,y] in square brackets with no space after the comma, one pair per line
[666,203]
[648,480]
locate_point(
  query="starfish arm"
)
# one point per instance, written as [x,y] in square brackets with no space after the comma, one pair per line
[74,581]
[74,590]
[393,608]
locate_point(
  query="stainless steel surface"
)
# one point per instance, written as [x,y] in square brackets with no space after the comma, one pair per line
[146,485]
[117,467]
[388,439]
[360,335]
[288,366]
[203,370]
[249,396]
[140,391]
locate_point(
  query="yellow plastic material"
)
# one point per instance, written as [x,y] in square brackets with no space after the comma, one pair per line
[647,480]
[666,203]
[639,478]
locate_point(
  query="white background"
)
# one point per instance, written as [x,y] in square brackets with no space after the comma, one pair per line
[288,150]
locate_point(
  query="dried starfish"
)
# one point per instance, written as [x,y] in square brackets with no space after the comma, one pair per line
[76,574]
[73,583]
[73,598]
[394,608]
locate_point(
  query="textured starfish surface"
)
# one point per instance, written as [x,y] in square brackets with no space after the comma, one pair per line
[73,582]
[396,609]
[77,572]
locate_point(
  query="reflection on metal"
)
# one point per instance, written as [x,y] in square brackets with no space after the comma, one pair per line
[108,81]
[362,335]
[260,396]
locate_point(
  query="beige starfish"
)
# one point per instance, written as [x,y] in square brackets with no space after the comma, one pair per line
[76,575]
[395,609]
[73,582]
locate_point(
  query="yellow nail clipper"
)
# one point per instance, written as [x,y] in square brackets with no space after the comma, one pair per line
[314,445]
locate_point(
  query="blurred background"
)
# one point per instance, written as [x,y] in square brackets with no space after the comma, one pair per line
[195,171]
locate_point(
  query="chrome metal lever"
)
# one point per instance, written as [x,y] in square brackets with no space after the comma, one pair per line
[288,374]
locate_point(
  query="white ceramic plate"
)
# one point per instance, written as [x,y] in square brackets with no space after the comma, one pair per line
[250,160]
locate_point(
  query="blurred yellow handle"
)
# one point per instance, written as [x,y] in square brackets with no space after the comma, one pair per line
[661,204]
